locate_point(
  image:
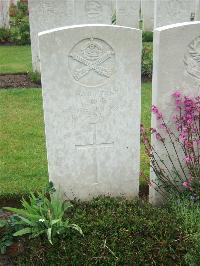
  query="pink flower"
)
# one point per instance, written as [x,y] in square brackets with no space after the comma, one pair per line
[187,184]
[190,180]
[175,118]
[198,141]
[158,137]
[159,116]
[152,184]
[164,126]
[142,129]
[154,109]
[178,102]
[182,137]
[185,130]
[188,159]
[153,130]
[188,144]
[176,94]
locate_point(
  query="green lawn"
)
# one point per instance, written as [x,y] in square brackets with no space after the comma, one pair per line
[15,59]
[23,156]
[23,161]
[145,120]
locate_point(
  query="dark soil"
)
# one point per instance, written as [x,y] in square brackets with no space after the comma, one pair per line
[144,192]
[5,261]
[9,81]
[17,81]
[10,202]
[146,79]
[7,44]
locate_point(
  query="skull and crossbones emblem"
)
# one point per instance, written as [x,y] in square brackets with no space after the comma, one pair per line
[94,56]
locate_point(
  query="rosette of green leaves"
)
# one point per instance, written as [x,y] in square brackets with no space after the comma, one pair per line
[43,215]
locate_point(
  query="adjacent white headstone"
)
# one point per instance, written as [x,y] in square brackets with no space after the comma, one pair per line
[44,15]
[197,10]
[128,13]
[176,67]
[91,97]
[173,11]
[93,11]
[49,14]
[4,13]
[147,9]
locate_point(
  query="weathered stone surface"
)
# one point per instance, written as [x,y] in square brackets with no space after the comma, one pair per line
[176,67]
[4,13]
[173,11]
[93,11]
[49,14]
[128,13]
[44,15]
[91,96]
[147,8]
[197,10]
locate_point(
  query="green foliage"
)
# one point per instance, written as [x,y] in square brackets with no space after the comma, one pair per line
[114,18]
[3,223]
[42,215]
[5,242]
[147,60]
[195,183]
[192,258]
[22,7]
[187,211]
[4,35]
[7,228]
[116,232]
[188,215]
[35,77]
[147,36]
[20,30]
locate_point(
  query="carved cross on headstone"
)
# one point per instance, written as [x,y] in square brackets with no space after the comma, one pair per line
[94,145]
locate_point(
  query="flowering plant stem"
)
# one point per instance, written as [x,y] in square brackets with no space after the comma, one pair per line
[180,171]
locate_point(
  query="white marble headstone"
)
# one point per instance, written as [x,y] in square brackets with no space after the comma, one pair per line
[91,98]
[49,14]
[197,10]
[173,11]
[147,9]
[128,13]
[4,13]
[44,15]
[176,67]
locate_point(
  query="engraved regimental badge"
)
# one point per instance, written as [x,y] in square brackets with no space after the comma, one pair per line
[92,62]
[192,59]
